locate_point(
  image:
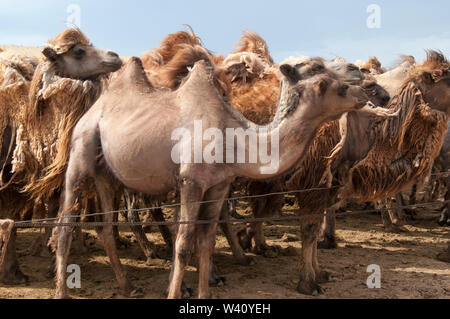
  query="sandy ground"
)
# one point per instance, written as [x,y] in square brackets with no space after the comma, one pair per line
[407,260]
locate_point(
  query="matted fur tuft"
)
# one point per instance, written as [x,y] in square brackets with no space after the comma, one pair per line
[64,41]
[168,65]
[255,79]
[253,42]
[403,151]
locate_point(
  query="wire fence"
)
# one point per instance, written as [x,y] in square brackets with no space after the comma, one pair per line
[50,222]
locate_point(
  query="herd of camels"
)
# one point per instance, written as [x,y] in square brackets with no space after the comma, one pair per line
[83,129]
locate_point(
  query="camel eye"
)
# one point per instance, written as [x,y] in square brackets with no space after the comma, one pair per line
[317,67]
[79,53]
[342,90]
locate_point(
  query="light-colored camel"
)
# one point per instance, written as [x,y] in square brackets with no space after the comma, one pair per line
[142,128]
[65,84]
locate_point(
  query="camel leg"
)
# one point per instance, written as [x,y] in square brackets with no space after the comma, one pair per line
[105,193]
[158,216]
[233,240]
[190,192]
[10,273]
[206,236]
[133,216]
[322,276]
[328,232]
[308,284]
[390,218]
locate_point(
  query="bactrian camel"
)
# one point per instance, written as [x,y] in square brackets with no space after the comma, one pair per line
[141,129]
[255,83]
[65,84]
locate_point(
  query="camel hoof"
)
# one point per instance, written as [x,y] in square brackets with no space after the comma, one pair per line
[323,277]
[267,251]
[17,278]
[136,293]
[395,229]
[217,282]
[329,242]
[309,288]
[445,257]
[187,293]
[61,296]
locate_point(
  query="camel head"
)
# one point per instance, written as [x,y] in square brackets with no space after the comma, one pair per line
[376,93]
[72,55]
[349,72]
[433,80]
[321,96]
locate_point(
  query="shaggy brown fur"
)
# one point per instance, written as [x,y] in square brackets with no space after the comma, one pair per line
[169,64]
[252,42]
[50,118]
[372,66]
[404,147]
[254,79]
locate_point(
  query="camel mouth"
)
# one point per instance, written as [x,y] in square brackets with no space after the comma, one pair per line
[360,104]
[114,66]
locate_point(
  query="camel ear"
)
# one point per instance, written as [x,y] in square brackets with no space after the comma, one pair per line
[290,72]
[321,87]
[50,54]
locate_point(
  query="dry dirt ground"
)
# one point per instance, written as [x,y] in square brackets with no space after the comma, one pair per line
[407,260]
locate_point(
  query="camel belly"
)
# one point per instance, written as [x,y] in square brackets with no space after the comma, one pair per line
[138,156]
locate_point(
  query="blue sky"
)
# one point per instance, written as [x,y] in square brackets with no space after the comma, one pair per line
[313,28]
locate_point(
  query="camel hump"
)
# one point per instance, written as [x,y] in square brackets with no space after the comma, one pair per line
[131,72]
[200,78]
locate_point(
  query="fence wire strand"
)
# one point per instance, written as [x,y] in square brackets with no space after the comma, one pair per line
[45,222]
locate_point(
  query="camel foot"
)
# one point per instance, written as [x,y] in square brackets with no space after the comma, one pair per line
[445,257]
[61,296]
[394,228]
[323,277]
[14,277]
[329,242]
[186,293]
[309,287]
[267,251]
[217,281]
[136,293]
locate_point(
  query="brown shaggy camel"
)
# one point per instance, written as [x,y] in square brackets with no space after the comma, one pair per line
[393,153]
[304,106]
[65,84]
[255,83]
